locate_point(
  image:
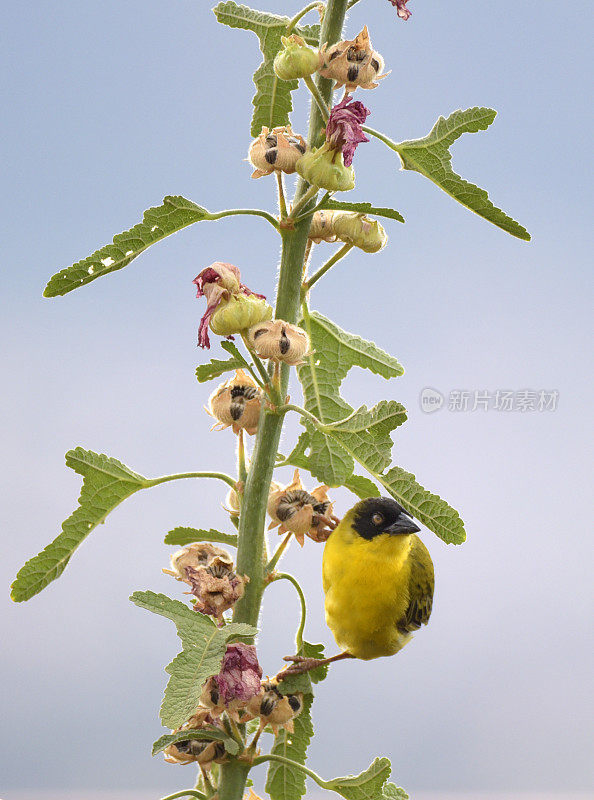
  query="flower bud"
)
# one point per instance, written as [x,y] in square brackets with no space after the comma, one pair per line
[360,231]
[236,403]
[296,59]
[321,228]
[352,63]
[301,512]
[277,149]
[279,341]
[324,167]
[239,312]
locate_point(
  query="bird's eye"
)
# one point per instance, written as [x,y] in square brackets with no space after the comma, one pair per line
[377,519]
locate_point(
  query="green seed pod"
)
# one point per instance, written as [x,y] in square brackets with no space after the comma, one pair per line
[296,59]
[359,230]
[325,168]
[238,313]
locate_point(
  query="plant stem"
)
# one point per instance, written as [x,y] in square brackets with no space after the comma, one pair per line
[300,630]
[282,760]
[241,465]
[278,552]
[282,205]
[324,269]
[251,542]
[308,195]
[254,212]
[300,14]
[257,362]
[186,793]
[181,475]
[316,207]
[319,100]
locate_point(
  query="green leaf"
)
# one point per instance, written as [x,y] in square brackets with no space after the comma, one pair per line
[174,214]
[393,792]
[106,483]
[315,651]
[362,487]
[203,649]
[285,782]
[366,786]
[272,102]
[183,536]
[363,208]
[303,682]
[428,508]
[432,158]
[216,367]
[335,352]
[208,734]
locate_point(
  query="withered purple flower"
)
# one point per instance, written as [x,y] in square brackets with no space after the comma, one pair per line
[343,129]
[239,678]
[401,8]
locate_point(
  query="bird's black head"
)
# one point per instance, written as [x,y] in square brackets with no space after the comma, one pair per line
[378,515]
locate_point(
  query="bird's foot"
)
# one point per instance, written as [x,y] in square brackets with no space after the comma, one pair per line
[303,664]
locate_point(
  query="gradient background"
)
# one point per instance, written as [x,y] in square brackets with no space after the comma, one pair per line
[111,106]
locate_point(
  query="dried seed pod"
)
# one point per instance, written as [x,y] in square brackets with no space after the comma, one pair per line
[204,752]
[277,149]
[324,167]
[360,231]
[301,512]
[352,63]
[200,554]
[279,341]
[237,682]
[295,59]
[321,228]
[274,708]
[239,312]
[231,505]
[236,403]
[216,587]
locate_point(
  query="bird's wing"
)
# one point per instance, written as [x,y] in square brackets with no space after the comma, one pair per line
[420,586]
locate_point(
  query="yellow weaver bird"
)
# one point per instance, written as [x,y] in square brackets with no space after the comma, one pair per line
[378,580]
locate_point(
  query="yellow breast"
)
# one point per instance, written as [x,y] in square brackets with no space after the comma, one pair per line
[366,587]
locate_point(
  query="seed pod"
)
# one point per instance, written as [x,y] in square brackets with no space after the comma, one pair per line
[216,587]
[301,512]
[203,751]
[232,503]
[239,312]
[352,63]
[321,228]
[196,555]
[324,167]
[279,341]
[274,708]
[360,231]
[277,149]
[236,403]
[296,59]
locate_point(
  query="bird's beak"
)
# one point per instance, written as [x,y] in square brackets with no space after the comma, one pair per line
[402,525]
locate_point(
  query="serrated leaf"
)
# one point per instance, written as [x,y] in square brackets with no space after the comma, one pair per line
[183,536]
[272,101]
[363,208]
[203,649]
[428,508]
[315,651]
[393,792]
[174,214]
[285,782]
[335,353]
[209,735]
[216,367]
[366,786]
[303,682]
[106,483]
[432,158]
[362,487]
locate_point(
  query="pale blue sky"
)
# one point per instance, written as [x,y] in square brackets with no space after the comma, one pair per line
[111,106]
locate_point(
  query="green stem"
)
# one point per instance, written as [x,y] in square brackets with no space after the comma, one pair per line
[257,362]
[278,553]
[301,14]
[241,465]
[186,793]
[282,205]
[282,760]
[285,576]
[382,137]
[319,100]
[315,208]
[251,542]
[181,475]
[308,195]
[324,269]
[254,212]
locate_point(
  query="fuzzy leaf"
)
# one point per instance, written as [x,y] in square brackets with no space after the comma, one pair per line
[210,734]
[174,214]
[285,782]
[216,367]
[315,651]
[183,536]
[203,649]
[363,208]
[366,786]
[272,101]
[362,487]
[106,483]
[393,792]
[428,508]
[432,158]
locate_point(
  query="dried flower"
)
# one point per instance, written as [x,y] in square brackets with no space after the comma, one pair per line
[232,503]
[343,129]
[352,63]
[200,554]
[236,403]
[274,708]
[203,751]
[277,149]
[237,682]
[321,228]
[295,59]
[218,283]
[360,231]
[301,512]
[279,341]
[324,167]
[402,10]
